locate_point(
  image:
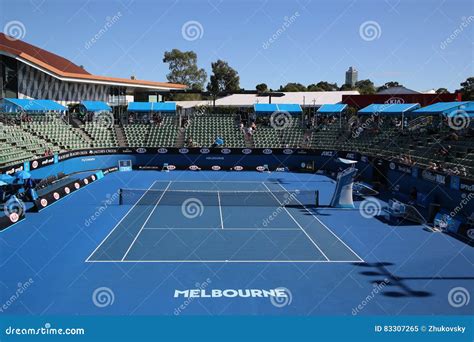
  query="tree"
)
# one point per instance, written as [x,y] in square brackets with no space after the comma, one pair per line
[184,70]
[326,86]
[365,87]
[314,87]
[442,91]
[261,88]
[290,87]
[223,79]
[388,85]
[346,87]
[467,89]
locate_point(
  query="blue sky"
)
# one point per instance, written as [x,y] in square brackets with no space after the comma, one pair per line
[320,41]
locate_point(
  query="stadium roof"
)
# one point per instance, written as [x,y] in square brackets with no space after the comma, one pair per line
[400,90]
[96,106]
[167,107]
[30,105]
[445,107]
[66,70]
[304,99]
[332,108]
[272,107]
[389,108]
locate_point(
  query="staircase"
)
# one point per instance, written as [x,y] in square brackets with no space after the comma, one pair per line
[180,137]
[121,139]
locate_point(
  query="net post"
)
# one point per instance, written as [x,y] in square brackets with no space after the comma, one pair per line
[120,197]
[316,198]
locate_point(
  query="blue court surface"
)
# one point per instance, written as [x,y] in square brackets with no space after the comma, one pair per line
[181,230]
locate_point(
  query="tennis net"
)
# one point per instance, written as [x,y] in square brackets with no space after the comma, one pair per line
[217,198]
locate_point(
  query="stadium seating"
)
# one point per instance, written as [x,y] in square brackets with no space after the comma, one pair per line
[101,136]
[203,130]
[163,134]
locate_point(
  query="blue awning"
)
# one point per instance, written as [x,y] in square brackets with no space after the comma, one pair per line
[332,108]
[272,107]
[167,107]
[30,105]
[96,106]
[389,108]
[444,108]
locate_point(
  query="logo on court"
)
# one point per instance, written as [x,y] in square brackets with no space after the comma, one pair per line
[458,296]
[284,299]
[370,207]
[192,208]
[103,296]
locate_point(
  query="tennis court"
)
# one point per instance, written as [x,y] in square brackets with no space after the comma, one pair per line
[207,221]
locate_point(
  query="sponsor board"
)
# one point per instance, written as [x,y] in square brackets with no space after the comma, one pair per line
[204,150]
[193,167]
[267,151]
[216,168]
[225,151]
[141,150]
[238,168]
[246,151]
[56,196]
[183,150]
[162,150]
[171,167]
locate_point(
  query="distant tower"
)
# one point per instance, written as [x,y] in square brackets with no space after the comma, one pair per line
[351,76]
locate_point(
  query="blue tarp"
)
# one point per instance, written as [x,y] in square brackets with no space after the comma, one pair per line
[96,106]
[30,105]
[332,108]
[272,107]
[167,107]
[444,108]
[389,109]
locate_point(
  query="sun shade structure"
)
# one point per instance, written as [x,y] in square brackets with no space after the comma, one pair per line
[389,109]
[13,105]
[445,108]
[96,106]
[263,108]
[332,108]
[143,107]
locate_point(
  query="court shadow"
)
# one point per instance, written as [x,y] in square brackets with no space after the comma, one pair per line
[398,286]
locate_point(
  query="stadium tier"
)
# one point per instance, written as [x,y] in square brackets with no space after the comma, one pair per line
[427,141]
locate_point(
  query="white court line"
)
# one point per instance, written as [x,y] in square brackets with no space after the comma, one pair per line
[220,209]
[203,228]
[309,237]
[146,221]
[229,261]
[128,212]
[321,222]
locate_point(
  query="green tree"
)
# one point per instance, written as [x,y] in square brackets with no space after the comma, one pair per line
[314,87]
[261,88]
[223,79]
[365,87]
[442,91]
[388,85]
[346,87]
[326,86]
[291,87]
[467,89]
[184,69]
